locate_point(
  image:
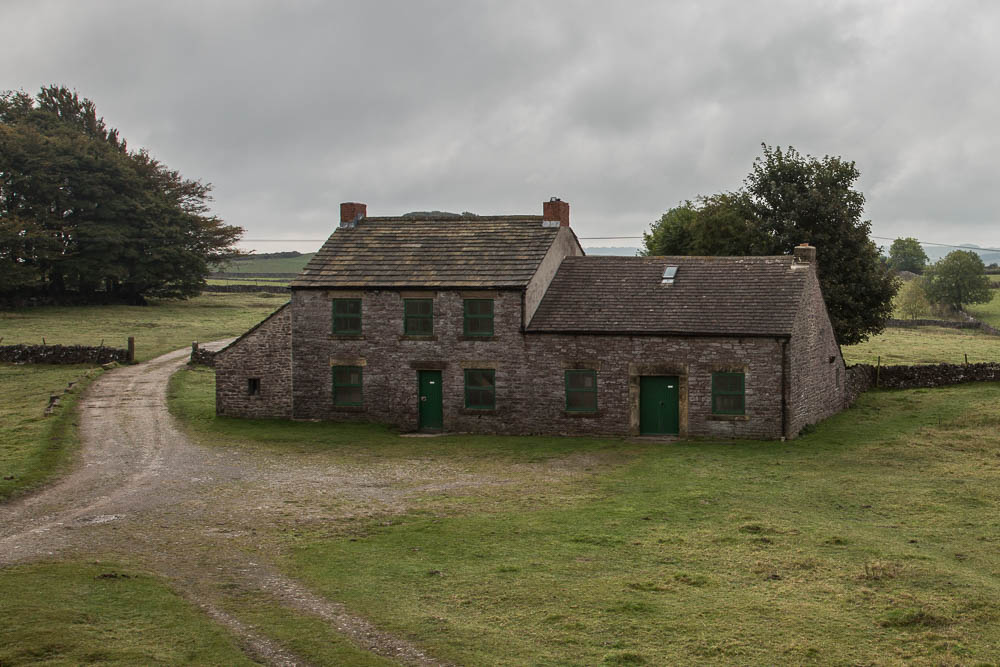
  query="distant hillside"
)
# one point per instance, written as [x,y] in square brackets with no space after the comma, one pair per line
[935,252]
[626,251]
[273,262]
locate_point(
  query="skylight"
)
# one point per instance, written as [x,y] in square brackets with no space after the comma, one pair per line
[668,275]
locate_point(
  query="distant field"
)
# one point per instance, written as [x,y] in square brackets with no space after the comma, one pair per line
[925,345]
[268,265]
[249,281]
[988,312]
[158,328]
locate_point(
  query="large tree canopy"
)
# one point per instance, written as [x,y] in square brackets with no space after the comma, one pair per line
[789,199]
[958,279]
[83,218]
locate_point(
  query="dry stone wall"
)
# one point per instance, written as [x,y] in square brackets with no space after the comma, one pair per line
[62,354]
[865,376]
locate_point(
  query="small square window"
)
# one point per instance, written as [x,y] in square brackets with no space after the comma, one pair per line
[478,317]
[728,394]
[418,317]
[253,386]
[347,316]
[347,385]
[581,391]
[480,389]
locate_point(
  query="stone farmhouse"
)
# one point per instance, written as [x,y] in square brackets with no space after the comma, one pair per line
[501,324]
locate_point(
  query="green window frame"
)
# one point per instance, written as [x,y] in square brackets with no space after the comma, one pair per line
[418,317]
[581,391]
[478,319]
[347,316]
[480,389]
[728,394]
[347,385]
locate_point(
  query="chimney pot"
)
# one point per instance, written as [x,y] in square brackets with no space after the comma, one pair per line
[556,209]
[804,253]
[351,212]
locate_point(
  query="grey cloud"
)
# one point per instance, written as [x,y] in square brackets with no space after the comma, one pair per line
[623,110]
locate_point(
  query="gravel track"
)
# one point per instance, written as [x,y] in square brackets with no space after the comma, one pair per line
[141,492]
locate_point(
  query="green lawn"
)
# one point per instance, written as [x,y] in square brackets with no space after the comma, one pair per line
[75,614]
[871,540]
[33,446]
[924,345]
[158,328]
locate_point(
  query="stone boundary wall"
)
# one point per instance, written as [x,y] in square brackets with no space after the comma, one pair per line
[62,354]
[201,357]
[237,274]
[862,377]
[969,323]
[274,289]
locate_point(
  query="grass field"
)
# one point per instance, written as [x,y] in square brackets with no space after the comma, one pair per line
[871,540]
[925,345]
[76,614]
[33,446]
[268,265]
[158,328]
[987,312]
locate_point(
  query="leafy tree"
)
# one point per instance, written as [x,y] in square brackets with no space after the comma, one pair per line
[958,279]
[912,300]
[789,199]
[906,254]
[83,218]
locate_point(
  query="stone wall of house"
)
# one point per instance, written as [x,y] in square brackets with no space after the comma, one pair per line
[530,369]
[262,354]
[817,374]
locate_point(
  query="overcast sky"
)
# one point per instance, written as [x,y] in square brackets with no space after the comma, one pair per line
[622,109]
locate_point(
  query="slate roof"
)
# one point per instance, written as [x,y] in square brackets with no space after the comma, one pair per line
[459,252]
[753,296]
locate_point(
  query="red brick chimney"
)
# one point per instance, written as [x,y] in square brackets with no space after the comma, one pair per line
[350,212]
[556,209]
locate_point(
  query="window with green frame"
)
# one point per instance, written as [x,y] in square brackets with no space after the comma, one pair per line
[728,394]
[480,389]
[347,385]
[478,317]
[581,391]
[347,316]
[418,317]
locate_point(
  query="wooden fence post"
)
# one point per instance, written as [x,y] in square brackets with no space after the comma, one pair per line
[878,371]
[131,349]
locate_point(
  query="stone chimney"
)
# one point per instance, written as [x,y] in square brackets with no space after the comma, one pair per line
[554,210]
[804,254]
[351,212]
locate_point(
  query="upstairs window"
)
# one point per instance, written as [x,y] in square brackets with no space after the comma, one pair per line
[418,317]
[478,317]
[581,391]
[728,394]
[347,385]
[480,389]
[347,316]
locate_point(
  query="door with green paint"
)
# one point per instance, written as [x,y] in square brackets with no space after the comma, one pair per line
[431,416]
[659,412]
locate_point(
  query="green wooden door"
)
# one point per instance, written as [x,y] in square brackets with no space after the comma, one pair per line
[431,416]
[659,412]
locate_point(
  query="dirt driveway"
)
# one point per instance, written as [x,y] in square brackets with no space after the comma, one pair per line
[203,517]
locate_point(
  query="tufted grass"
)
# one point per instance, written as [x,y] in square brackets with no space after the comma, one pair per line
[870,540]
[87,613]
